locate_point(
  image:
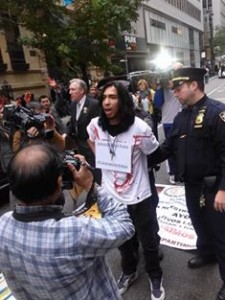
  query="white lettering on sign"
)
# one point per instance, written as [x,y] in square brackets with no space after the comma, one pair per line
[130,39]
[176,229]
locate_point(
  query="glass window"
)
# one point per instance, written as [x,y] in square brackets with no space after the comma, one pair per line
[15,50]
[158,24]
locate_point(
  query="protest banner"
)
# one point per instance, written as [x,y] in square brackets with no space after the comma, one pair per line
[176,229]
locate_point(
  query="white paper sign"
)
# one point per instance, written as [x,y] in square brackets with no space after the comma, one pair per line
[176,229]
[119,162]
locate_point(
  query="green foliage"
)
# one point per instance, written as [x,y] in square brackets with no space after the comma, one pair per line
[219,41]
[78,37]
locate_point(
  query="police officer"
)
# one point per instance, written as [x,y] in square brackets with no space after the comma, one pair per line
[197,141]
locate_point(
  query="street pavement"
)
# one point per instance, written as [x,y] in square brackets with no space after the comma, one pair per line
[180,282]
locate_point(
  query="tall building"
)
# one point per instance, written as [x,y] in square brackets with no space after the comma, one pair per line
[218,10]
[214,16]
[22,69]
[166,30]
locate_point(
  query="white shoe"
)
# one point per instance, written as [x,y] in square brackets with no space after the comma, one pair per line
[172,179]
[157,290]
[125,281]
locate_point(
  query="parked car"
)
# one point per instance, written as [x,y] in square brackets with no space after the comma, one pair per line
[221,72]
[120,78]
[148,75]
[131,79]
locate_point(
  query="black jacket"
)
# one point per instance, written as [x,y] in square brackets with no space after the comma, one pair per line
[197,141]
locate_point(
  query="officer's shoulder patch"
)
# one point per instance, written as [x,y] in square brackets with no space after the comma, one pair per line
[222,116]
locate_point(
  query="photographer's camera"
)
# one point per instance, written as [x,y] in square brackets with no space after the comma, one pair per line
[23,118]
[67,177]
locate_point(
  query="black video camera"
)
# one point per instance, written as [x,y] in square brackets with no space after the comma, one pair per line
[23,118]
[67,176]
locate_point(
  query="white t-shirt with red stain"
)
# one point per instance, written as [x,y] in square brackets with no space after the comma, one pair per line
[133,187]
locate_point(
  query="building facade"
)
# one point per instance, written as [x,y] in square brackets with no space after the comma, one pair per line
[214,16]
[170,28]
[22,69]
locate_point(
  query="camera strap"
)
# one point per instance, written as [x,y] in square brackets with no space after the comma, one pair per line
[91,199]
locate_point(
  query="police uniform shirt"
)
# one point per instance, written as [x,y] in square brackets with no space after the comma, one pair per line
[198,140]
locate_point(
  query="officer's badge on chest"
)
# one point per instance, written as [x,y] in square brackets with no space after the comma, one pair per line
[222,116]
[200,118]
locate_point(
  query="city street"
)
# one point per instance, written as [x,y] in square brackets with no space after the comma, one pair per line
[216,88]
[60,54]
[179,282]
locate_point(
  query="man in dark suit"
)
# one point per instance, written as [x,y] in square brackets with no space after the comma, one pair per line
[83,109]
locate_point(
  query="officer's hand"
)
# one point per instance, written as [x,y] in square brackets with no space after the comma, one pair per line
[83,177]
[219,203]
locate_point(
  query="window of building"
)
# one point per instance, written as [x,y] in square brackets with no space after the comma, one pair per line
[32,53]
[204,3]
[158,24]
[193,11]
[192,58]
[209,4]
[3,66]
[188,8]
[191,36]
[174,29]
[15,50]
[1,59]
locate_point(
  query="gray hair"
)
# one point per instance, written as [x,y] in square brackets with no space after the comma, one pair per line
[81,83]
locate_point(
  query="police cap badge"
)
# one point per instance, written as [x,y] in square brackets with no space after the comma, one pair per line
[182,75]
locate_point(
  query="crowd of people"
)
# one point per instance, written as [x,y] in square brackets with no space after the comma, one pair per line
[47,254]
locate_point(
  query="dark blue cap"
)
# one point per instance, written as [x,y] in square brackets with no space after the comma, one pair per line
[182,75]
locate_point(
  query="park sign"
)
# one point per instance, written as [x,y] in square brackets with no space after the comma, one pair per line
[130,43]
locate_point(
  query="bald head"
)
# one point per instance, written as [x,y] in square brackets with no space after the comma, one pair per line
[177,65]
[30,157]
[34,173]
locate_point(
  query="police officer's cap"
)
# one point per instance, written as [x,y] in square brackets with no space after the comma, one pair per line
[182,75]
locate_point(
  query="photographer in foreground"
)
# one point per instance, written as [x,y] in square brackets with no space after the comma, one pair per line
[46,255]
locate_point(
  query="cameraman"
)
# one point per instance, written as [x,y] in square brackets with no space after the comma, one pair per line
[48,133]
[167,102]
[46,255]
[49,108]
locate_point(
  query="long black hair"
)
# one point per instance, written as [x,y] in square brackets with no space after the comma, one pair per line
[126,107]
